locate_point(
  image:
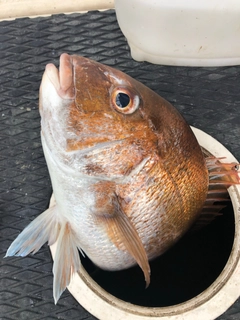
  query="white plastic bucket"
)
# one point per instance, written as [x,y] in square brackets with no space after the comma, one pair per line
[181,32]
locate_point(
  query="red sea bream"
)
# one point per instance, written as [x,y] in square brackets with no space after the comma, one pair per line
[128,174]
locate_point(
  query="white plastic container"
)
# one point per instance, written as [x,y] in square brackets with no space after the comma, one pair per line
[182,32]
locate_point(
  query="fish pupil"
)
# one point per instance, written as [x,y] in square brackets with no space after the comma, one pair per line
[122,100]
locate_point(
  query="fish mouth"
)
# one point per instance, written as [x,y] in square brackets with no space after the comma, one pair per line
[63,91]
[62,78]
[57,91]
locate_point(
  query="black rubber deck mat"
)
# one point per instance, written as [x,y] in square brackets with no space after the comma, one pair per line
[209,98]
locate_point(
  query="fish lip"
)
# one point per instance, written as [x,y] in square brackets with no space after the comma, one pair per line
[63,78]
[57,92]
[52,74]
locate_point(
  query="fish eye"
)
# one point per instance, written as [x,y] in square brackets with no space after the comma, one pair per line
[124,100]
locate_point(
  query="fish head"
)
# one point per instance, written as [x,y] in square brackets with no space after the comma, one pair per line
[94,113]
[101,122]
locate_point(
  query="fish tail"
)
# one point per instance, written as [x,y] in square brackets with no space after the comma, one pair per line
[222,175]
[46,228]
[66,260]
[42,229]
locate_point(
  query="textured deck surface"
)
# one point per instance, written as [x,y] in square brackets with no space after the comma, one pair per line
[209,98]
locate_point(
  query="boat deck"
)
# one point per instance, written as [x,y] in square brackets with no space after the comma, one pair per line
[209,99]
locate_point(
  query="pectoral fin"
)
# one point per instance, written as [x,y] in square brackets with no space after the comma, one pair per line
[124,235]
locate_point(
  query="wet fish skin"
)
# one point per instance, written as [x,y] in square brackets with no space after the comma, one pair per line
[129,181]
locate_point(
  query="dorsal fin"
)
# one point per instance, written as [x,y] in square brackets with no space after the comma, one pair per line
[222,175]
